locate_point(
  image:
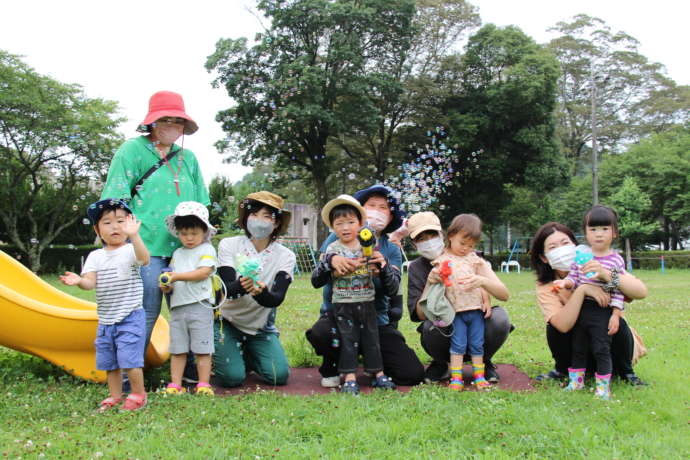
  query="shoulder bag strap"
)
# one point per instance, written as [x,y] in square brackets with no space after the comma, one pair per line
[151,170]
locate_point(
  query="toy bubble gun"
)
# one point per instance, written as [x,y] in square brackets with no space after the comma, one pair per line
[248,267]
[583,254]
[445,272]
[164,278]
[367,239]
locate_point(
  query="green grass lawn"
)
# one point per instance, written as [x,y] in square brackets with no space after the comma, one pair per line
[44,412]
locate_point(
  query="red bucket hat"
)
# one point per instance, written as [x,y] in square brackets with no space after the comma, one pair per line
[169,104]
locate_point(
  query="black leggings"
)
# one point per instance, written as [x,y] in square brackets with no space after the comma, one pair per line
[621,349]
[591,334]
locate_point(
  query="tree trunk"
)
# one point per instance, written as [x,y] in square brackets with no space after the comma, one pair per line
[628,256]
[321,200]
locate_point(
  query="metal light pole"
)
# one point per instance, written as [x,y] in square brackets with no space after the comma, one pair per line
[595,159]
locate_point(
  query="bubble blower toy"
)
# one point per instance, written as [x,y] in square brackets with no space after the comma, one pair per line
[367,239]
[583,254]
[445,272]
[164,278]
[248,267]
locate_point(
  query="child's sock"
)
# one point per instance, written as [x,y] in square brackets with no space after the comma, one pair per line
[603,386]
[479,380]
[456,382]
[576,379]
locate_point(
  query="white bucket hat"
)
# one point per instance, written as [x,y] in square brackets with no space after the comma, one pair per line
[342,199]
[190,208]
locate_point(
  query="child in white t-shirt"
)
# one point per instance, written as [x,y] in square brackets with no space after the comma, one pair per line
[191,302]
[114,272]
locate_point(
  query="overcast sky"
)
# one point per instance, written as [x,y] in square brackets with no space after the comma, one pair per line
[127,50]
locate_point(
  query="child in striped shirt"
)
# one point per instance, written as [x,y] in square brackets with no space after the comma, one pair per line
[595,325]
[114,272]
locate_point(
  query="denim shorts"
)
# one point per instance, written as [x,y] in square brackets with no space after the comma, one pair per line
[191,329]
[121,345]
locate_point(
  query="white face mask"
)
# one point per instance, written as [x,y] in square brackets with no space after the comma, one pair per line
[431,248]
[377,220]
[561,258]
[259,228]
[167,135]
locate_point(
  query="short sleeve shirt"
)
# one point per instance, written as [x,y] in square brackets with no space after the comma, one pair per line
[158,196]
[245,313]
[355,287]
[119,288]
[186,260]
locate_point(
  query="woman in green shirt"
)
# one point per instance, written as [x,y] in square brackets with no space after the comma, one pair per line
[170,175]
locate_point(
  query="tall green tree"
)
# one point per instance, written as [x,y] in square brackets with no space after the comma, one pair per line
[632,204]
[504,107]
[313,76]
[602,71]
[55,145]
[660,166]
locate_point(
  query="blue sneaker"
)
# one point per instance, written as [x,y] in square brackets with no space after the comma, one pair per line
[350,387]
[383,382]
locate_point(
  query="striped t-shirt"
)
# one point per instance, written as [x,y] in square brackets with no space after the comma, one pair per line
[119,288]
[608,262]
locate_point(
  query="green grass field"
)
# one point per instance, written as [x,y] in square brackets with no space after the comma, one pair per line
[46,413]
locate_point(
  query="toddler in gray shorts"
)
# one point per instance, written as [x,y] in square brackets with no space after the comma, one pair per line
[192,297]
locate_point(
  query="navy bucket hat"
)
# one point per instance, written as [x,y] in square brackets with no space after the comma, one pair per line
[96,210]
[393,200]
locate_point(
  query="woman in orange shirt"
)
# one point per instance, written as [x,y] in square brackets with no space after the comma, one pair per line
[561,308]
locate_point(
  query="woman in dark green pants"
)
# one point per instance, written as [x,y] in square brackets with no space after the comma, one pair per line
[245,336]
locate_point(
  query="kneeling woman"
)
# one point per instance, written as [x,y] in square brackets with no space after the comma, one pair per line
[561,309]
[246,337]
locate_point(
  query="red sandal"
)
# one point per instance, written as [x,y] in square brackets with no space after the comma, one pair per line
[134,402]
[109,403]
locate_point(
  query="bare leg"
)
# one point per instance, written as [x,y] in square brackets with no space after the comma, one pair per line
[136,379]
[177,364]
[456,360]
[115,383]
[203,367]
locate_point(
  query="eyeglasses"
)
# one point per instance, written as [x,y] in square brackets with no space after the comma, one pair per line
[171,121]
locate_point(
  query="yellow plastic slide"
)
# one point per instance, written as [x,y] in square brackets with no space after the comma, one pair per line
[41,320]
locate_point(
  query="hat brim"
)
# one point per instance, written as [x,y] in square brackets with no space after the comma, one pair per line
[190,126]
[424,228]
[170,224]
[326,211]
[285,216]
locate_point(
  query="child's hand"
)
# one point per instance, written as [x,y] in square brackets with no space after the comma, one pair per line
[613,324]
[469,282]
[563,284]
[434,276]
[70,279]
[601,273]
[486,308]
[130,226]
[166,289]
[343,266]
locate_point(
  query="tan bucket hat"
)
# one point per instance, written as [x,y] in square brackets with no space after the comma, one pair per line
[341,199]
[269,199]
[417,223]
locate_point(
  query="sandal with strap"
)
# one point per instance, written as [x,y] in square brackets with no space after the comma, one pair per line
[109,403]
[203,388]
[134,402]
[174,389]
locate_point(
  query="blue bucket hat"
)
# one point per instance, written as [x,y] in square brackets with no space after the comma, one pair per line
[393,200]
[95,210]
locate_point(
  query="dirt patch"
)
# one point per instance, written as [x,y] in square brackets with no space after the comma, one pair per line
[306,381]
